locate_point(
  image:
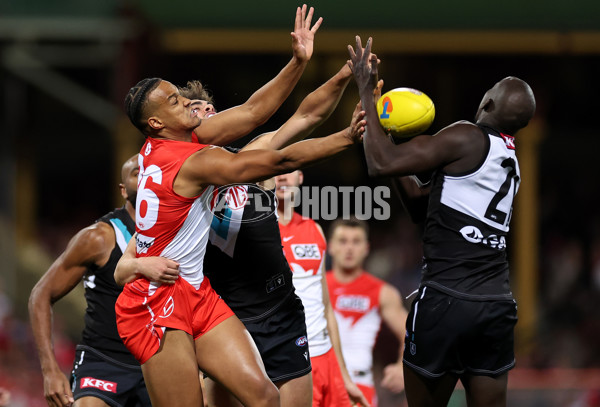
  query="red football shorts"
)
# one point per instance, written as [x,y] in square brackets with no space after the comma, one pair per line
[328,384]
[369,393]
[143,318]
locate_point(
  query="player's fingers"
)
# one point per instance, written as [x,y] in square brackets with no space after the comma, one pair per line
[367,49]
[298,19]
[352,54]
[363,401]
[309,17]
[359,48]
[317,25]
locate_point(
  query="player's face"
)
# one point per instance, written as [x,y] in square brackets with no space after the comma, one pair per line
[284,184]
[171,109]
[129,175]
[348,247]
[203,109]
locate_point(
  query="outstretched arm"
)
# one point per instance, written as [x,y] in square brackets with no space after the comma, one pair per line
[217,130]
[91,246]
[216,166]
[311,113]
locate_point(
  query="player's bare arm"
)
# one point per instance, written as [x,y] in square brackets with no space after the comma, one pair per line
[394,315]
[154,268]
[217,130]
[453,144]
[311,113]
[216,166]
[91,246]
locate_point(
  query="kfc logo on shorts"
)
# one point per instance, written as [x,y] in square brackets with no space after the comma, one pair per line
[98,384]
[302,341]
[306,251]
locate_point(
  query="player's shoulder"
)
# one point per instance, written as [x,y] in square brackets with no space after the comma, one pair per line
[93,240]
[368,278]
[460,128]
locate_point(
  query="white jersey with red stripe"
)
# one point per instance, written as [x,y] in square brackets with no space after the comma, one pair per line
[304,248]
[356,307]
[168,224]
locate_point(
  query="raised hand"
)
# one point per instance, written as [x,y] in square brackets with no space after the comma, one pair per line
[303,35]
[364,65]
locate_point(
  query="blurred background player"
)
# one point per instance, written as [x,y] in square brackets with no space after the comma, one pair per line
[304,246]
[461,324]
[104,372]
[360,302]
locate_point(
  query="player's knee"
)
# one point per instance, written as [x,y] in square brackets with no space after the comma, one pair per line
[265,394]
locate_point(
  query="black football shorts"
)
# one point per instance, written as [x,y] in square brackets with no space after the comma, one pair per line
[116,383]
[446,334]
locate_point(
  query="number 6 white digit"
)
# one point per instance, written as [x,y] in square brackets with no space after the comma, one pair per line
[147,201]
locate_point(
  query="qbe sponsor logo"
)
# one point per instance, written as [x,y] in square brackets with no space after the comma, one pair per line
[306,251]
[103,385]
[358,303]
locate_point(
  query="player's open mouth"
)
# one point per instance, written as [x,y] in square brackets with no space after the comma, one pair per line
[209,114]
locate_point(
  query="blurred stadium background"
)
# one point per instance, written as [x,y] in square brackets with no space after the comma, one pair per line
[66,65]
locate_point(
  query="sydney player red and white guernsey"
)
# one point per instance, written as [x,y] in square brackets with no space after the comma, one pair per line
[356,307]
[304,248]
[167,224]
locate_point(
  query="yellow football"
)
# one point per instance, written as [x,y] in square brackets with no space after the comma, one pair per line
[405,112]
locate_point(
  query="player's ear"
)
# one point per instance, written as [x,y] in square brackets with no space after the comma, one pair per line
[488,106]
[155,123]
[123,191]
[300,177]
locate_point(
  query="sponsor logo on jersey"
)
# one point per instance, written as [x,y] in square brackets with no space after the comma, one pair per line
[237,197]
[98,384]
[359,303]
[148,149]
[143,243]
[302,341]
[306,251]
[509,141]
[473,234]
[287,238]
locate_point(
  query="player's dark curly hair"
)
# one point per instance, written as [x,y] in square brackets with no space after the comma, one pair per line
[196,90]
[137,100]
[352,222]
